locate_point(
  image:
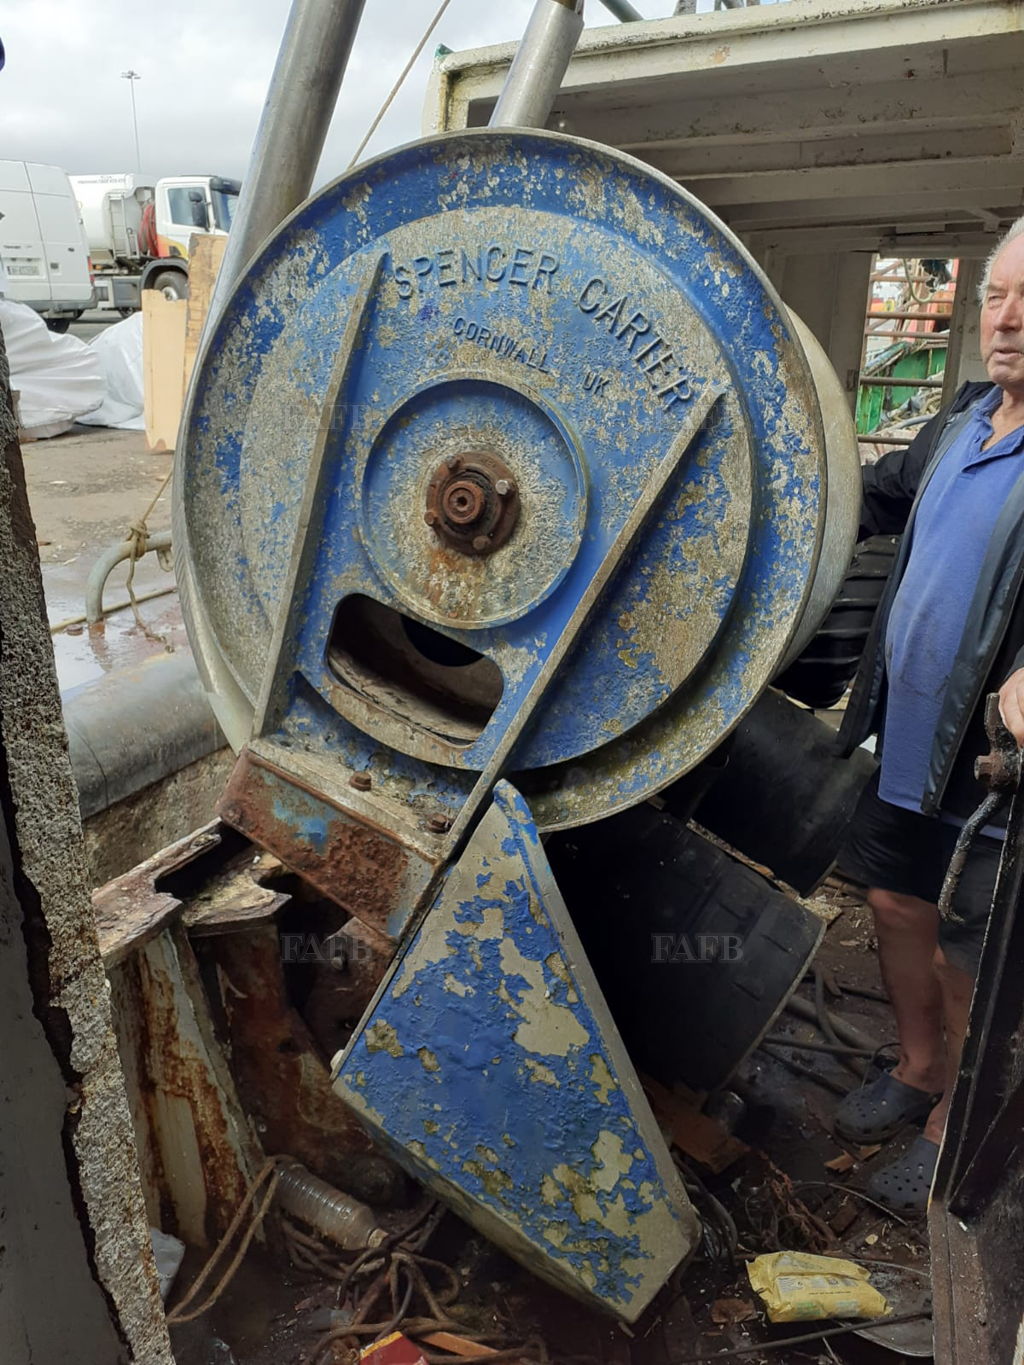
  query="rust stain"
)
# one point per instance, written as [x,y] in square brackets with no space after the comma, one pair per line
[444,564]
[170,1067]
[359,957]
[357,866]
[130,911]
[282,1079]
[367,870]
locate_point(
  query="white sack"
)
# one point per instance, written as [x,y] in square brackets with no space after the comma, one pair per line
[120,351]
[58,378]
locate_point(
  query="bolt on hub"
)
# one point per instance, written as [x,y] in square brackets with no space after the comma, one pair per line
[472,502]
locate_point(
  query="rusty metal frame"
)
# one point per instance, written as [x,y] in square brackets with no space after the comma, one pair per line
[976,1215]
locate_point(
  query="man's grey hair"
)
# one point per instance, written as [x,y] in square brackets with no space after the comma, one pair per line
[1014,231]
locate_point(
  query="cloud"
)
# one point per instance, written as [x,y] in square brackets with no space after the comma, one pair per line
[204,68]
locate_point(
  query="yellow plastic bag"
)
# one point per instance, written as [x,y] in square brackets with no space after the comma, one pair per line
[797,1287]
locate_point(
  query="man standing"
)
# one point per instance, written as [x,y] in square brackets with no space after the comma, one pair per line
[949,630]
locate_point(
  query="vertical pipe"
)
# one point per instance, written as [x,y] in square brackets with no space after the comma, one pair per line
[539,65]
[624,11]
[303,92]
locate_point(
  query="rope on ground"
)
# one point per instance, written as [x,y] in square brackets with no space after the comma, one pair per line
[138,536]
[268,1174]
[399,83]
[400,1296]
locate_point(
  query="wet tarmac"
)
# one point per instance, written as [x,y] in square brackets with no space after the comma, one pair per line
[85,490]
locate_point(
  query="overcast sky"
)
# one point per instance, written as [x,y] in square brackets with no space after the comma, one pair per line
[204,67]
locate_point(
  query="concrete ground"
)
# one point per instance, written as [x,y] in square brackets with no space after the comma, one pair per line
[85,489]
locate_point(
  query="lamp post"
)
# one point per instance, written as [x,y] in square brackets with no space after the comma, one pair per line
[131,77]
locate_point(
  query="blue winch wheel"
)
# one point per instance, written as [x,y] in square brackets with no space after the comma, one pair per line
[447,380]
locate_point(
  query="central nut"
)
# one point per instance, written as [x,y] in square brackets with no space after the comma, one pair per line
[472,502]
[464,502]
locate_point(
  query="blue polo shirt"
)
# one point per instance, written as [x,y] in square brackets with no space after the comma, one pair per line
[952,528]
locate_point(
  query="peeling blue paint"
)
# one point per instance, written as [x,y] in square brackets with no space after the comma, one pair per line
[526,1110]
[690,629]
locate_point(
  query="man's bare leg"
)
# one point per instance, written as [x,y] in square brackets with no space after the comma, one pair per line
[957,987]
[907,929]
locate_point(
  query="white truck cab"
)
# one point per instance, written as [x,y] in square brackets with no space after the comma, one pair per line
[139,230]
[189,204]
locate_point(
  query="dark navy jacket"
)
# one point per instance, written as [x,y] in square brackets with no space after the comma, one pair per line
[992,645]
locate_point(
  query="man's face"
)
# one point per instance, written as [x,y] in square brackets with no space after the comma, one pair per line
[1002,319]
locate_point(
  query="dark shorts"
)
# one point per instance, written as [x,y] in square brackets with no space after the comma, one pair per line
[908,853]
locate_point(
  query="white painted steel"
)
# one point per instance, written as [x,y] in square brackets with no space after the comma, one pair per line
[809,125]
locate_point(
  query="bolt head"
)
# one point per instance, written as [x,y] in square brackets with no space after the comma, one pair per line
[453,464]
[362,782]
[503,487]
[437,824]
[481,542]
[430,517]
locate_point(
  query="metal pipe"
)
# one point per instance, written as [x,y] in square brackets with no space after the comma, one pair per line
[885,440]
[135,726]
[890,381]
[914,315]
[160,541]
[623,10]
[300,103]
[540,63]
[935,338]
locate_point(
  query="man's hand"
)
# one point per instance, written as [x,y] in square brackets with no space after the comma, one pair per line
[1011,705]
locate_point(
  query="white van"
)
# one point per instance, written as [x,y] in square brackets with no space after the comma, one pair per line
[44,257]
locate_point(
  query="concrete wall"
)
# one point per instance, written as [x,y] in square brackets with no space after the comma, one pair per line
[134,829]
[77,1280]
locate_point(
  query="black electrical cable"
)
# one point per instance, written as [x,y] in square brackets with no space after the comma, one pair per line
[806,1337]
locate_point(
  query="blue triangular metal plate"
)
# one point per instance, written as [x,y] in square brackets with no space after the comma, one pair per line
[490,1067]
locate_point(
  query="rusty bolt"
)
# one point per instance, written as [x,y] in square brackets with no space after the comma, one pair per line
[985,767]
[362,782]
[453,464]
[996,768]
[464,502]
[430,517]
[481,542]
[504,487]
[437,824]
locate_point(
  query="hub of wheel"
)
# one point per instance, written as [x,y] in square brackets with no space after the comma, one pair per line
[472,502]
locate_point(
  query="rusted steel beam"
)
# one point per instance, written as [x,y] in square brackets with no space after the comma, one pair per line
[361,866]
[282,1078]
[129,911]
[198,1149]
